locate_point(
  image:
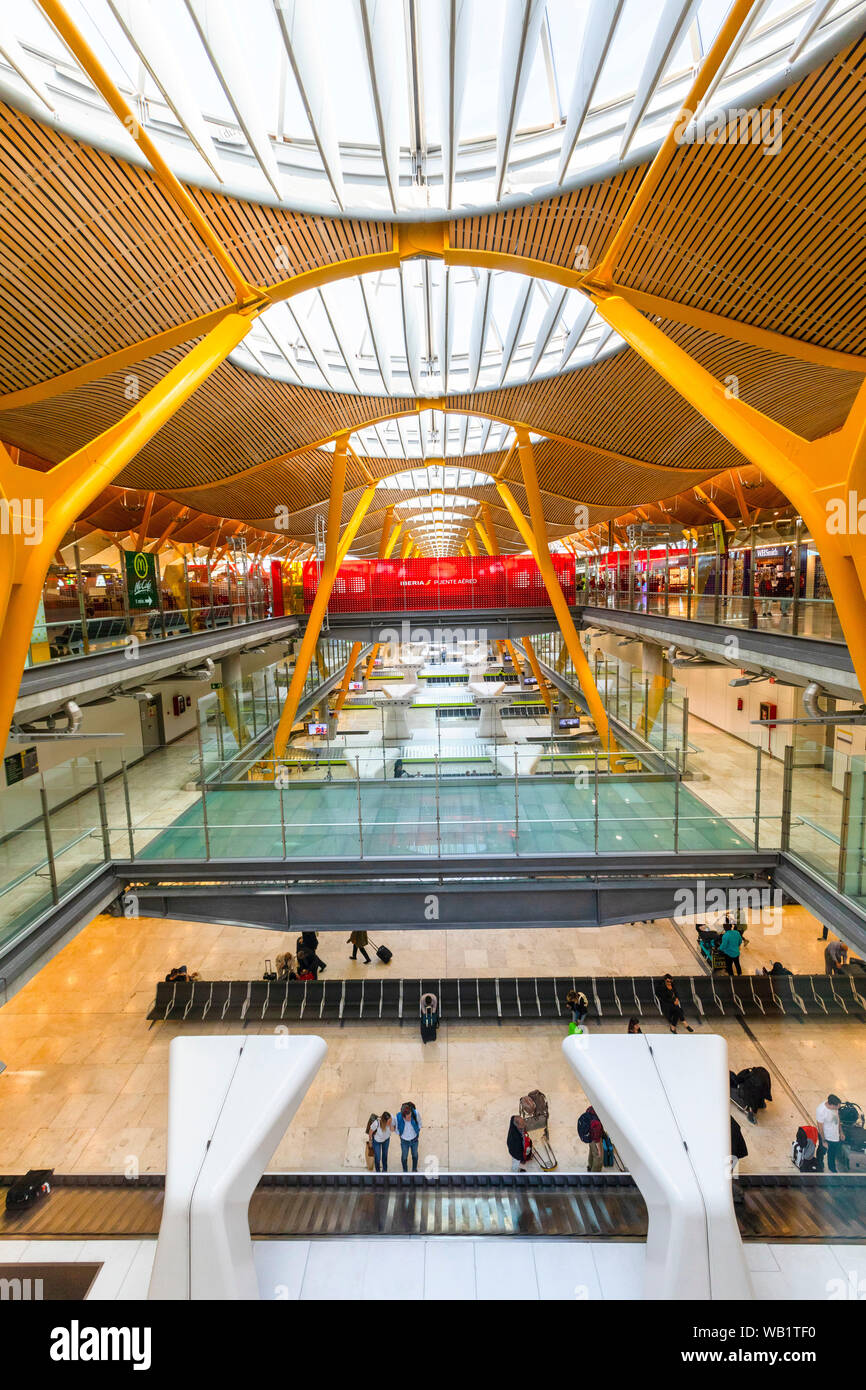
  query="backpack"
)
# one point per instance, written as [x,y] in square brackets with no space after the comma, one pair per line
[596,1131]
[584,1126]
[533,1105]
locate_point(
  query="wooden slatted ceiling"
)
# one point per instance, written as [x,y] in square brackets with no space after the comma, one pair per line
[96,258]
[773,240]
[237,422]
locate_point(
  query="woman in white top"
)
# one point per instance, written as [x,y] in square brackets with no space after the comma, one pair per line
[379,1133]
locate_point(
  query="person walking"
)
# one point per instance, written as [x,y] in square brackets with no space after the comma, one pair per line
[591,1130]
[409,1129]
[835,956]
[519,1144]
[730,948]
[669,999]
[358,942]
[379,1132]
[830,1128]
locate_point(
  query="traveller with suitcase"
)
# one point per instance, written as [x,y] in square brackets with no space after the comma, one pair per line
[382,952]
[429,1017]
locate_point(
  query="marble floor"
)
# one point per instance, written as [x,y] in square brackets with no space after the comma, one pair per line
[511,1268]
[86,1076]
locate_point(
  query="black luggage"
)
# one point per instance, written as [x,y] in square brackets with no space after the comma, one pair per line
[28,1189]
[429,1026]
[270,972]
[739,1147]
[382,952]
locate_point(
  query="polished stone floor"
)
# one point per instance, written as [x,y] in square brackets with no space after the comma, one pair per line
[448,1268]
[86,1076]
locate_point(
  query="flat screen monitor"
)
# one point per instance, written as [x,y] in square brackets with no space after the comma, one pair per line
[570,722]
[317,728]
[356,685]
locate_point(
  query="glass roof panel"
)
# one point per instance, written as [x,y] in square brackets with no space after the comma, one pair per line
[472,101]
[327,338]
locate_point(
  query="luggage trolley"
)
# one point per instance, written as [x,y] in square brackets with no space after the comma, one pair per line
[535,1111]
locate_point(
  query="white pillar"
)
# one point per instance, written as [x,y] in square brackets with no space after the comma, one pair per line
[230,1101]
[664,1101]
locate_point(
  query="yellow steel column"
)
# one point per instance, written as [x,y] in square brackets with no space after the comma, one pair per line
[406,547]
[65,491]
[490,529]
[515,659]
[818,476]
[392,540]
[535,539]
[538,673]
[335,551]
[471,543]
[350,671]
[484,538]
[386,531]
[368,670]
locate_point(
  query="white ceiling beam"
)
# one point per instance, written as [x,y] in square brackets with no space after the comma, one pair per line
[730,57]
[480,323]
[674,20]
[383,359]
[300,24]
[382,26]
[219,36]
[819,10]
[515,327]
[318,357]
[156,51]
[522,27]
[23,64]
[547,328]
[411,327]
[453,68]
[598,33]
[338,338]
[585,311]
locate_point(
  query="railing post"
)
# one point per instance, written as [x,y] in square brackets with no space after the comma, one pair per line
[282,820]
[203,780]
[212,623]
[758,761]
[82,603]
[646,724]
[787,795]
[677,802]
[187,594]
[129,833]
[795,607]
[516,807]
[595,803]
[438,824]
[49,844]
[843,832]
[103,813]
[360,817]
[685,732]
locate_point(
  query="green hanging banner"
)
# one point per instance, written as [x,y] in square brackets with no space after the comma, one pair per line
[142,580]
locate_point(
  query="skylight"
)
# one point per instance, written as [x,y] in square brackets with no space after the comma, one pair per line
[426,330]
[396,106]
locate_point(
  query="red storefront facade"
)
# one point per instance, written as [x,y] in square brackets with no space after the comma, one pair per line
[447,585]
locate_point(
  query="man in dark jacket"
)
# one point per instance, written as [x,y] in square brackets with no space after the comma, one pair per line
[519,1144]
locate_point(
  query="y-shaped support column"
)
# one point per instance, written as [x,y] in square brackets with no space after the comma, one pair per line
[664,1101]
[230,1102]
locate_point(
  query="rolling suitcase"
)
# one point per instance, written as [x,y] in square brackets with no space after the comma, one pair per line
[382,952]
